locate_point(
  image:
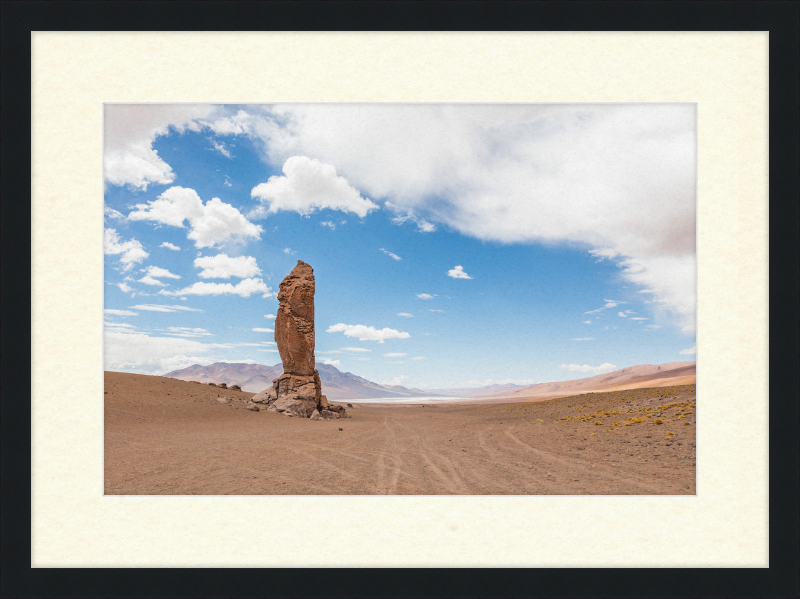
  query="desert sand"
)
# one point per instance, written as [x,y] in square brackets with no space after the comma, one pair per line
[170,437]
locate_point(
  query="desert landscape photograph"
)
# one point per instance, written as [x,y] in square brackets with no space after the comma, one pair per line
[400,299]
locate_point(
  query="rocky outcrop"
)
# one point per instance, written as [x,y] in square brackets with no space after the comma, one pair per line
[298,391]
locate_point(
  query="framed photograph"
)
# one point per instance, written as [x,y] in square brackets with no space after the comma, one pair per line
[400,166]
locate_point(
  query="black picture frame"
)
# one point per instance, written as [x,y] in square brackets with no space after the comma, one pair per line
[780,18]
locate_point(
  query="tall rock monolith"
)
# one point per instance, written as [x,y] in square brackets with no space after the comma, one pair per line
[298,391]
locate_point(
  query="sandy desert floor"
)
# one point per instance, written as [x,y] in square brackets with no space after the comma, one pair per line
[169,437]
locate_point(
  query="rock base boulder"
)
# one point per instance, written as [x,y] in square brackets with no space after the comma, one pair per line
[300,396]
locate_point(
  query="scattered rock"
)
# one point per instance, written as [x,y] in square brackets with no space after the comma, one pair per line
[252,407]
[341,429]
[223,385]
[314,415]
[349,405]
[222,399]
[235,388]
[212,384]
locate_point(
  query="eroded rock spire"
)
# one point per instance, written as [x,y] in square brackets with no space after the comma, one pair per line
[298,391]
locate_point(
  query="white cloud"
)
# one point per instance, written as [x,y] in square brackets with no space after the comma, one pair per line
[129,131]
[333,362]
[273,351]
[148,280]
[356,349]
[365,333]
[390,254]
[223,266]
[260,330]
[124,287]
[618,178]
[328,223]
[425,296]
[244,288]
[394,355]
[155,271]
[187,332]
[587,322]
[622,314]
[402,217]
[209,225]
[269,316]
[603,368]
[583,339]
[458,273]
[162,308]
[220,147]
[638,318]
[652,326]
[690,350]
[142,353]
[120,312]
[308,185]
[288,251]
[131,252]
[405,315]
[432,310]
[112,214]
[419,358]
[169,246]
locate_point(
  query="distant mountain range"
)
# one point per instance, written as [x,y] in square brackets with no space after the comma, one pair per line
[633,377]
[340,385]
[257,377]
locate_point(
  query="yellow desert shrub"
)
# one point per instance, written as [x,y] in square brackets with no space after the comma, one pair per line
[598,423]
[658,421]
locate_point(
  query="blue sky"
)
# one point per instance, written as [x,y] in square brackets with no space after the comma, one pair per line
[453,245]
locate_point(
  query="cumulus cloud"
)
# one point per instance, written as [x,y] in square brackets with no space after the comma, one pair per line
[690,350]
[587,322]
[119,312]
[355,349]
[432,310]
[583,339]
[394,355]
[260,330]
[332,362]
[211,224]
[269,316]
[395,381]
[308,185]
[162,308]
[458,273]
[148,280]
[130,252]
[618,179]
[390,254]
[638,318]
[328,223]
[603,368]
[169,246]
[288,251]
[365,333]
[622,314]
[244,288]
[129,131]
[223,266]
[124,287]
[425,296]
[155,271]
[405,315]
[419,358]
